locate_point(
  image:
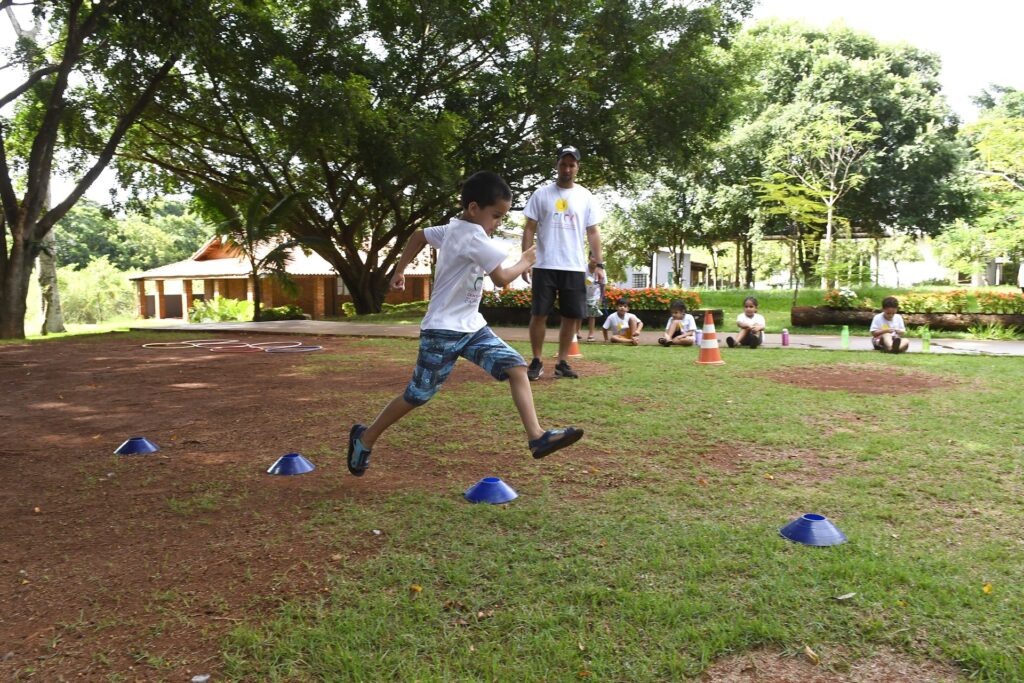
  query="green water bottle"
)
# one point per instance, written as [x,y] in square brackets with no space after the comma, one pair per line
[926,340]
[844,337]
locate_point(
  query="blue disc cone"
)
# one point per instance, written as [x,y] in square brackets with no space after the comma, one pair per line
[293,463]
[137,445]
[490,490]
[812,529]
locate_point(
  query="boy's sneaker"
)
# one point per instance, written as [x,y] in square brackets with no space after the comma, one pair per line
[358,454]
[731,342]
[553,440]
[535,370]
[563,370]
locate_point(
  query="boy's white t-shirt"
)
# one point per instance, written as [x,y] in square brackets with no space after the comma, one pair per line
[563,216]
[687,321]
[756,319]
[465,256]
[880,323]
[620,325]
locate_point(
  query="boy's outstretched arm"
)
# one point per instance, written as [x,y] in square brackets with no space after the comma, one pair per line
[502,276]
[412,248]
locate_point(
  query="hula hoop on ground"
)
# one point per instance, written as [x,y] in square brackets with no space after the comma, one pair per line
[295,349]
[266,346]
[233,348]
[187,343]
[215,342]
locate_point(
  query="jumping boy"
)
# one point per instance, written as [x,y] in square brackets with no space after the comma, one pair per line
[887,328]
[681,329]
[624,325]
[453,325]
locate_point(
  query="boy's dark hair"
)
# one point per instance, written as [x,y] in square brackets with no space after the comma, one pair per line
[890,302]
[751,299]
[485,188]
[622,302]
[677,305]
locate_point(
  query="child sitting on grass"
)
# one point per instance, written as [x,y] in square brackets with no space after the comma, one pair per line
[887,328]
[681,329]
[624,325]
[751,324]
[453,326]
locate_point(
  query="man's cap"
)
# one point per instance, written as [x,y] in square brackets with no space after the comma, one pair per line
[569,149]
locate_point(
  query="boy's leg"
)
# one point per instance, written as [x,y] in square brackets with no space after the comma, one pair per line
[886,341]
[522,396]
[392,413]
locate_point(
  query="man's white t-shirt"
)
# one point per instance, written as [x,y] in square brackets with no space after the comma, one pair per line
[687,321]
[896,324]
[756,319]
[563,216]
[620,325]
[465,256]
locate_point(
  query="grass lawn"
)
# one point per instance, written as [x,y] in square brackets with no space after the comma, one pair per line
[652,548]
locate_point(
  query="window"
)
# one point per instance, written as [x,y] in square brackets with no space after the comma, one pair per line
[639,280]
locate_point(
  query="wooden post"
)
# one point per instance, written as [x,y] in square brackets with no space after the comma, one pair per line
[186,298]
[318,298]
[208,289]
[218,289]
[161,302]
[140,286]
[268,293]
[250,292]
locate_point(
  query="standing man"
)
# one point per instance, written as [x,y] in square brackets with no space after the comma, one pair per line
[561,216]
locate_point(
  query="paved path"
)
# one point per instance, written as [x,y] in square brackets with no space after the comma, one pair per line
[411,330]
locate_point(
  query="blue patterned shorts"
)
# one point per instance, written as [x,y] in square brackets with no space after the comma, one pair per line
[439,349]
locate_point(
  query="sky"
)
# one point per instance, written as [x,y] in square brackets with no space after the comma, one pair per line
[978,42]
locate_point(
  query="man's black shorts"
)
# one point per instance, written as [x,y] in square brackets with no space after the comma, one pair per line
[570,287]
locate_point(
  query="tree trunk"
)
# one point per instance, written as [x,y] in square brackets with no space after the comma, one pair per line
[15,275]
[878,259]
[53,318]
[257,297]
[736,276]
[825,279]
[749,258]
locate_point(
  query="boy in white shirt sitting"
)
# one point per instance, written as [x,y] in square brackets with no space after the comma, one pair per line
[625,326]
[681,329]
[751,324]
[453,326]
[887,328]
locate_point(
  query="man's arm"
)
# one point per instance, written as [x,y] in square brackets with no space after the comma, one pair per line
[503,276]
[529,232]
[594,242]
[412,248]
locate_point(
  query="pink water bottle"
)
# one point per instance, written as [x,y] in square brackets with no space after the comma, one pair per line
[785,337]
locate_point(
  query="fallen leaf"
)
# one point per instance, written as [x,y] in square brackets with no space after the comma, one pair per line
[460,622]
[336,557]
[702,481]
[377,532]
[811,655]
[485,614]
[36,510]
[987,588]
[844,596]
[416,588]
[901,603]
[583,674]
[895,535]
[581,647]
[602,543]
[769,476]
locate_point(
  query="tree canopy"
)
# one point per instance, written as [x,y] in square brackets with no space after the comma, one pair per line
[376,111]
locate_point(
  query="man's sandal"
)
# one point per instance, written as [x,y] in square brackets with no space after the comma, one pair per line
[553,440]
[358,454]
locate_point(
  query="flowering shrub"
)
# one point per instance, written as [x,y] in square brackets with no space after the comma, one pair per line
[841,298]
[1000,302]
[512,298]
[653,298]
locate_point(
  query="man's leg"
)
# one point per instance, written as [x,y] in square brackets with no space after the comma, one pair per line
[538,328]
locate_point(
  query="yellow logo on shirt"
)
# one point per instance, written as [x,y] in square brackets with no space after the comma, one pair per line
[561,205]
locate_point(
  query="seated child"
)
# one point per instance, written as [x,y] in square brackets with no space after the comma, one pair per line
[887,328]
[681,329]
[624,325]
[751,324]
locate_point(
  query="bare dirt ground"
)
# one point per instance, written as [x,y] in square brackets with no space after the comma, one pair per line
[136,566]
[764,666]
[863,379]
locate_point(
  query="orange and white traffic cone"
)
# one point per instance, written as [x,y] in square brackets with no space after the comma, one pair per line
[709,354]
[574,348]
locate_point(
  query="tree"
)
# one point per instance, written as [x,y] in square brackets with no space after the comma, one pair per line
[257,235]
[376,111]
[94,69]
[824,150]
